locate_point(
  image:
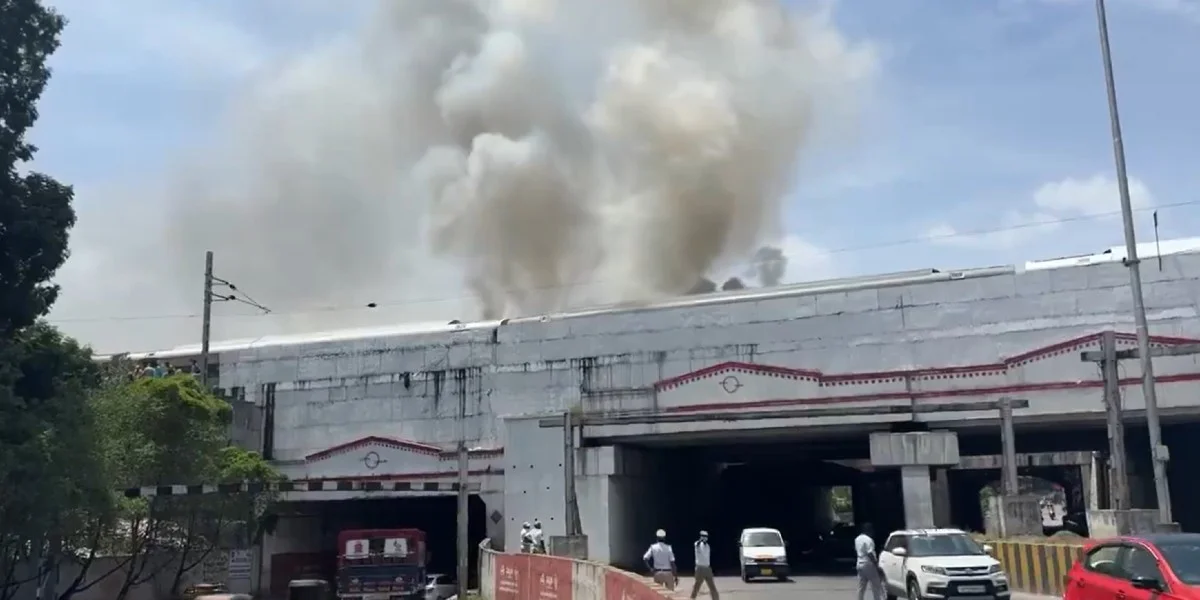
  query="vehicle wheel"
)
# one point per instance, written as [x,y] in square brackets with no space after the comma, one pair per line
[914,589]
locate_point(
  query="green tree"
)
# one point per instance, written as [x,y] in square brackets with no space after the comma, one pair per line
[168,431]
[42,420]
[207,523]
[35,210]
[52,479]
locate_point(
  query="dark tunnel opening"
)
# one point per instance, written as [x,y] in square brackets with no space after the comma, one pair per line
[435,515]
[730,485]
[818,506]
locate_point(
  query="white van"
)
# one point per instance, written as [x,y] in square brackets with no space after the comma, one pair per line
[763,553]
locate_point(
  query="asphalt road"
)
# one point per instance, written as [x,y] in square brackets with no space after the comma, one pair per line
[801,587]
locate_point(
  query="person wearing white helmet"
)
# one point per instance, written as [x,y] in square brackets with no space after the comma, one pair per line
[704,572]
[526,538]
[538,536]
[660,559]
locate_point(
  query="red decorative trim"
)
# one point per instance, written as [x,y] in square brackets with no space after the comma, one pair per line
[926,374]
[374,440]
[404,476]
[923,395]
[406,445]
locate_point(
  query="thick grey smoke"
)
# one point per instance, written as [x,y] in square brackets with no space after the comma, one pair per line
[540,153]
[770,265]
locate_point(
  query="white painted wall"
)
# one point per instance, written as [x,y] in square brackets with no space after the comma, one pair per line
[408,386]
[405,386]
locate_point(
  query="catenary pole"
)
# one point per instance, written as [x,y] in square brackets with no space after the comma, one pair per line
[1158,452]
[206,320]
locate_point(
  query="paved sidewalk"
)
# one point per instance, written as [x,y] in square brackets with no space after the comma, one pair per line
[1024,596]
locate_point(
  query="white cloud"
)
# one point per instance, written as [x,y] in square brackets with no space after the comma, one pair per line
[1095,196]
[807,261]
[1012,229]
[1053,204]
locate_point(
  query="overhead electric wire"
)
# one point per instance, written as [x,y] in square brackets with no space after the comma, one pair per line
[243,298]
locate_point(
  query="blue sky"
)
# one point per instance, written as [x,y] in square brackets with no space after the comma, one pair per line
[984,103]
[985,114]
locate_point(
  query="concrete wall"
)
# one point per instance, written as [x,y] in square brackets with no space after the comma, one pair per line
[974,336]
[246,426]
[506,576]
[407,386]
[1037,568]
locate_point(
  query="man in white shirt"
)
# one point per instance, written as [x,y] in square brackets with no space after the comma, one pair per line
[538,537]
[660,559]
[867,563]
[704,572]
[526,538]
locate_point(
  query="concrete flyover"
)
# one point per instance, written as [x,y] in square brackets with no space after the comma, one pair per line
[523,576]
[719,411]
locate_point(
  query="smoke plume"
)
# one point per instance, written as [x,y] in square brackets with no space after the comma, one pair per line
[539,154]
[770,265]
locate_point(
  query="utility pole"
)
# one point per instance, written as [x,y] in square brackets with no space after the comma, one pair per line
[1008,439]
[573,524]
[463,491]
[206,324]
[1115,417]
[1158,452]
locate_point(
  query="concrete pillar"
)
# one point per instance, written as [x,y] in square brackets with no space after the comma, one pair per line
[941,497]
[918,496]
[823,508]
[1091,487]
[858,498]
[915,453]
[495,517]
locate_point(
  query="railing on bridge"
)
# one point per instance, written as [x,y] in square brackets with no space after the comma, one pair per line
[306,485]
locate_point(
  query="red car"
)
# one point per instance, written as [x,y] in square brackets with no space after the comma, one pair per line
[1159,567]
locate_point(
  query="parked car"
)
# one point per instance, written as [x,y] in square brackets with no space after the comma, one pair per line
[194,591]
[310,589]
[763,553]
[440,587]
[1159,566]
[940,563]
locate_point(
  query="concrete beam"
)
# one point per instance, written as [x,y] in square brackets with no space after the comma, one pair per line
[757,415]
[924,448]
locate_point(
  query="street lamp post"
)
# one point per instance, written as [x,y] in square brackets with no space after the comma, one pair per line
[1158,452]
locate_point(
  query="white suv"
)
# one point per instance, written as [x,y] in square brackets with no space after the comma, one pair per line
[925,564]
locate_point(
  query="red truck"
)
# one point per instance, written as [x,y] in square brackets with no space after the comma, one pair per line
[381,564]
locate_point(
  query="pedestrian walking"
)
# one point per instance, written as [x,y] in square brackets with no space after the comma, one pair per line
[704,572]
[867,564]
[660,559]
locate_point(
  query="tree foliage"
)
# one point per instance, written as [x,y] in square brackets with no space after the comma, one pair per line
[166,431]
[70,432]
[35,210]
[50,474]
[44,421]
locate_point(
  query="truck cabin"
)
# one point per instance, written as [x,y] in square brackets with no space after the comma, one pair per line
[381,563]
